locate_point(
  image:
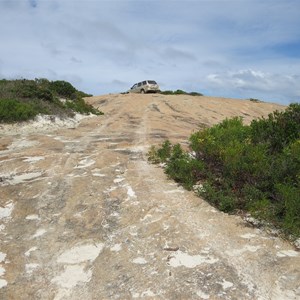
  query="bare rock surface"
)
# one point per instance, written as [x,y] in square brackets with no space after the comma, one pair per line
[84,216]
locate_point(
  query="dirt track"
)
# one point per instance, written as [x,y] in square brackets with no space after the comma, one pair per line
[84,216]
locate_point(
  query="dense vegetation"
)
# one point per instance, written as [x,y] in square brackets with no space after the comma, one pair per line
[22,99]
[238,168]
[180,92]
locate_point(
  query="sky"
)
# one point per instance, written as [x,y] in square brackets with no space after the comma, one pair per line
[230,48]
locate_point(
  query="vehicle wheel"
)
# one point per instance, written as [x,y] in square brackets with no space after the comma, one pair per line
[142,91]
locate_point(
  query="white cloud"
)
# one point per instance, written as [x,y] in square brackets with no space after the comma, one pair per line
[254,83]
[209,46]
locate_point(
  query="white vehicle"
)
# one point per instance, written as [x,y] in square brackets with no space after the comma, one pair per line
[147,86]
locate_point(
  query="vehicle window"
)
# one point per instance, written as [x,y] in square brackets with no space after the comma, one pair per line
[151,82]
[139,84]
[144,82]
[134,86]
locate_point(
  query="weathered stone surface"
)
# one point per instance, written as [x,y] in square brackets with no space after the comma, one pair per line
[84,216]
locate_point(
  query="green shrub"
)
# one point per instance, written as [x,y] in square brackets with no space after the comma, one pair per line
[195,94]
[278,130]
[12,110]
[80,106]
[180,92]
[42,96]
[26,88]
[160,155]
[164,152]
[209,192]
[63,89]
[42,82]
[252,194]
[212,142]
[80,94]
[152,155]
[223,199]
[255,100]
[262,209]
[252,168]
[168,92]
[45,94]
[246,164]
[290,162]
[183,168]
[290,200]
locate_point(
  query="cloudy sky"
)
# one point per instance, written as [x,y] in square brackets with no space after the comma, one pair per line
[231,48]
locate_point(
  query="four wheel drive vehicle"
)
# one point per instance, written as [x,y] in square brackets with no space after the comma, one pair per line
[147,86]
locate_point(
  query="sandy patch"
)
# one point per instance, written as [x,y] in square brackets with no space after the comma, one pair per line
[287,253]
[247,248]
[72,275]
[81,253]
[29,268]
[202,295]
[5,212]
[248,236]
[84,163]
[13,179]
[2,256]
[76,271]
[40,232]
[139,260]
[27,253]
[3,282]
[33,159]
[119,179]
[33,218]
[180,258]
[116,248]
[21,144]
[42,123]
[226,284]
[130,192]
[97,173]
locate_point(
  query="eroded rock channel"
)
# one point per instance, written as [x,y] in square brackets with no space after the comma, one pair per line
[84,216]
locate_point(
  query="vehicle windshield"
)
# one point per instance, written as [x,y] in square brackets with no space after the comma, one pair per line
[151,82]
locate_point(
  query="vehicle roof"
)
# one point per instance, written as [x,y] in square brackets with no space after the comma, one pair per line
[146,80]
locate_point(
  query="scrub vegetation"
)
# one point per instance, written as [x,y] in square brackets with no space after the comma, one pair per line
[23,99]
[243,168]
[181,92]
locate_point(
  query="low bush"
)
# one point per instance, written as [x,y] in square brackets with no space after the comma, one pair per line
[27,98]
[26,89]
[63,89]
[278,130]
[12,110]
[180,166]
[45,94]
[254,168]
[183,168]
[255,100]
[290,203]
[78,105]
[162,154]
[180,92]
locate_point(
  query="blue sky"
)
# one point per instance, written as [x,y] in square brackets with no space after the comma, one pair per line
[230,48]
